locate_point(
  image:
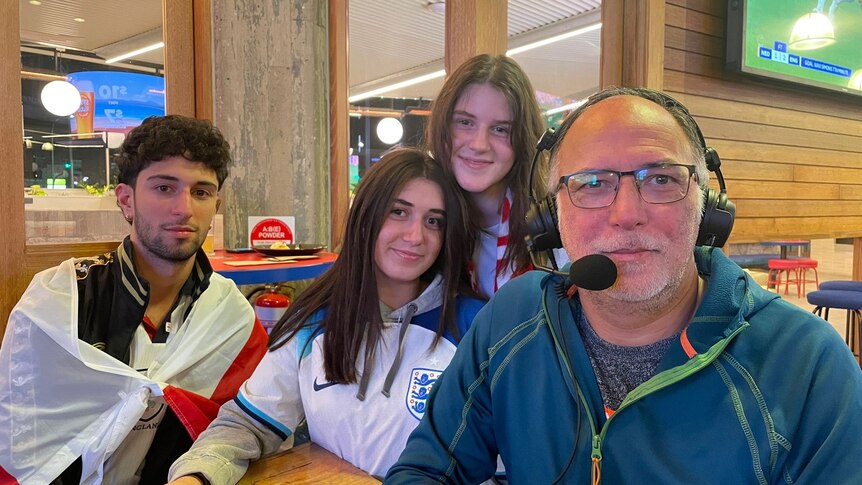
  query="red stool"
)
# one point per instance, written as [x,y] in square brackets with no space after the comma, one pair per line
[804,266]
[790,269]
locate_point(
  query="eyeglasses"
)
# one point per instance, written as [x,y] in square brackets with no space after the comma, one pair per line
[657,184]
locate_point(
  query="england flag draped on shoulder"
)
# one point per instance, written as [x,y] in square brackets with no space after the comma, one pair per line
[61,398]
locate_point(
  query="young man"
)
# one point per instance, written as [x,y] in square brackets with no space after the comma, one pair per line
[112,365]
[683,371]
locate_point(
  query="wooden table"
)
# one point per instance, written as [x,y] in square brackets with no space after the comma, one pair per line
[269,273]
[306,463]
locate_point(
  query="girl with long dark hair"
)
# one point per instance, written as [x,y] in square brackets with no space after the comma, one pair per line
[357,352]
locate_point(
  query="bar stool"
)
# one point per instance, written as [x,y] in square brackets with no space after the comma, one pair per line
[848,300]
[841,285]
[804,266]
[783,266]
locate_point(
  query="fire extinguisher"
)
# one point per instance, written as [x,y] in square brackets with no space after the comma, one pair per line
[270,306]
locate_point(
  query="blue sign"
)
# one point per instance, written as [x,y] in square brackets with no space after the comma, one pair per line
[826,67]
[116,101]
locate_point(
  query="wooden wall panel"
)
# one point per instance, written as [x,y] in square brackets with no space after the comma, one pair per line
[690,19]
[178,20]
[742,170]
[756,93]
[203,59]
[339,121]
[12,278]
[792,156]
[753,228]
[765,115]
[632,40]
[764,152]
[744,190]
[474,27]
[681,39]
[737,130]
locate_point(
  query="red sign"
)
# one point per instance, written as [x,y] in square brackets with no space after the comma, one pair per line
[269,231]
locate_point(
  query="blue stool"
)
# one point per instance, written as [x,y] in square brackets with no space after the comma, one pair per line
[841,285]
[844,299]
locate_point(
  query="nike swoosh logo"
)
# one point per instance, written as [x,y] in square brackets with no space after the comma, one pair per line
[319,387]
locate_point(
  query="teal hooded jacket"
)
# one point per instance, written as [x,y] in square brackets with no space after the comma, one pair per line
[756,391]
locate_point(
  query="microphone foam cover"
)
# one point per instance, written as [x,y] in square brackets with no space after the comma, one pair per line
[594,272]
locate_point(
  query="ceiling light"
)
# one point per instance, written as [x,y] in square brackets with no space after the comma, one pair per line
[61,98]
[436,7]
[812,31]
[48,147]
[511,52]
[551,40]
[390,131]
[56,46]
[78,19]
[142,50]
[398,85]
[35,2]
[131,46]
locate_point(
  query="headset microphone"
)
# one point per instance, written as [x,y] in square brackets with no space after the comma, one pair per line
[594,272]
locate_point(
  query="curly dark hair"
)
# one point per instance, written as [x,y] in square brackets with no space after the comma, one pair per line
[160,137]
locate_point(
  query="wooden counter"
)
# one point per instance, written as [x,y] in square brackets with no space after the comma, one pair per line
[306,463]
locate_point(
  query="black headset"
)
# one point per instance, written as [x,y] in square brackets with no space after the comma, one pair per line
[543,233]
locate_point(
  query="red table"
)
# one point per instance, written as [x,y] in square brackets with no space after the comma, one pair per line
[273,272]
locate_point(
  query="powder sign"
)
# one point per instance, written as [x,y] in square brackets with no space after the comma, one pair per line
[264,231]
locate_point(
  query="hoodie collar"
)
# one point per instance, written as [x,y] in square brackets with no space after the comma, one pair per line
[731,298]
[429,299]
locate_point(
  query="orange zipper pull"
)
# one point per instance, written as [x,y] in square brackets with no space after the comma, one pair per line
[597,458]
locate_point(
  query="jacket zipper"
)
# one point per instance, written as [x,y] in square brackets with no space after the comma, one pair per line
[596,473]
[660,381]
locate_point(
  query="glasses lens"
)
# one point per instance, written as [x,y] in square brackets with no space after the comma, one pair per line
[662,185]
[593,189]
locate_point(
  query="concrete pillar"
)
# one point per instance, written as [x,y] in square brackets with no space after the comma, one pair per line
[270,96]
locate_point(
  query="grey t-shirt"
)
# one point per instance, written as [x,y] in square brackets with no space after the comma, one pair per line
[620,369]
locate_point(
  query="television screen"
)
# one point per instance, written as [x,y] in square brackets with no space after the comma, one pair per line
[814,42]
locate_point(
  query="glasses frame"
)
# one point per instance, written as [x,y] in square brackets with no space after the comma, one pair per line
[692,171]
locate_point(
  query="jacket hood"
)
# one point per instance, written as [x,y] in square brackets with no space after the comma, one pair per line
[718,316]
[429,299]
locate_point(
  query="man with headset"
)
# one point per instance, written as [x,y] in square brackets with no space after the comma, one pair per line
[682,371]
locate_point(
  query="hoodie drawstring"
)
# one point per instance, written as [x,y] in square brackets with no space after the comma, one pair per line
[390,377]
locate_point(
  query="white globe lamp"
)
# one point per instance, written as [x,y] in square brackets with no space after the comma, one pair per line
[390,131]
[61,98]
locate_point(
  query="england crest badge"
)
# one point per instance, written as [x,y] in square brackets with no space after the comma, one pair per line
[421,381]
